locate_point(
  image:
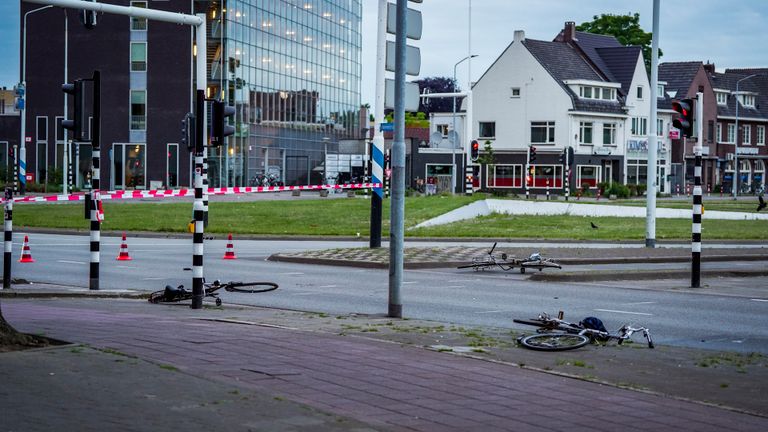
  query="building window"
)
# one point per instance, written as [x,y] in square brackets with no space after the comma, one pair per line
[660,127]
[41,129]
[138,24]
[760,135]
[59,129]
[443,129]
[731,133]
[586,92]
[609,134]
[504,176]
[719,132]
[639,126]
[138,109]
[660,91]
[710,130]
[748,101]
[587,175]
[487,129]
[138,56]
[746,135]
[639,92]
[543,132]
[637,171]
[515,92]
[585,133]
[722,98]
[608,94]
[173,166]
[547,176]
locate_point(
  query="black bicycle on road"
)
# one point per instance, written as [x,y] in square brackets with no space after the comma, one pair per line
[179,293]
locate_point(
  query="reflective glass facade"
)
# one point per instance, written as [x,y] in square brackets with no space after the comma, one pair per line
[292,69]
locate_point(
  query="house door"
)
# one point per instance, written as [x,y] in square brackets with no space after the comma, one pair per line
[129,166]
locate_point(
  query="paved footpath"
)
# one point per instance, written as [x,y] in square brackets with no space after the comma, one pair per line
[385,386]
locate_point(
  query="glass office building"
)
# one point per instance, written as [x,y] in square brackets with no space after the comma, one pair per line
[292,70]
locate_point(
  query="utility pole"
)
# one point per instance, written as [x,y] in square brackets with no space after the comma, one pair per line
[650,210]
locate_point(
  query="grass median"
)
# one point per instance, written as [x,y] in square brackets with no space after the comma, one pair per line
[348,217]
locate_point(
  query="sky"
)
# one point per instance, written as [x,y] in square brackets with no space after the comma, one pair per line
[730,33]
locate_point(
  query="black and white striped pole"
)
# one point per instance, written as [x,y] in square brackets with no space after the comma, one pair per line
[697,197]
[8,237]
[15,169]
[95,234]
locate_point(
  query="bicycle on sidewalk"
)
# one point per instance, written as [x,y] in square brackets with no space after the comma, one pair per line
[177,294]
[556,334]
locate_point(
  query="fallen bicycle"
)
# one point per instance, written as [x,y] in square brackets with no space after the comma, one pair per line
[556,334]
[177,294]
[506,263]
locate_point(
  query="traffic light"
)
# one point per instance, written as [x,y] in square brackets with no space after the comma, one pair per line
[220,127]
[475,150]
[532,155]
[75,124]
[88,18]
[684,122]
[188,131]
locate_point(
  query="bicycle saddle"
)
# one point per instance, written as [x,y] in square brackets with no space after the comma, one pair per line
[171,292]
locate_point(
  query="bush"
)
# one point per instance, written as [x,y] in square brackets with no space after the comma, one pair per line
[641,189]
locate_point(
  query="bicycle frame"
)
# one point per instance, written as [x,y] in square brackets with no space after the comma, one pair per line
[553,324]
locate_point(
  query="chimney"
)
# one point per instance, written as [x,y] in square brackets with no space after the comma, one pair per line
[709,68]
[519,36]
[569,31]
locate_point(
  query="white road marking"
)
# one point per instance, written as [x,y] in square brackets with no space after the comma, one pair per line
[624,312]
[126,267]
[461,280]
[328,286]
[71,262]
[153,278]
[638,303]
[455,286]
[409,282]
[308,293]
[290,274]
[760,300]
[491,311]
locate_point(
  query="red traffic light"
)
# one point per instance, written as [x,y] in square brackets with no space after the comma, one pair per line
[684,107]
[475,154]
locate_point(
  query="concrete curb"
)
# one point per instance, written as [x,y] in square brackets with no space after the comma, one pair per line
[594,276]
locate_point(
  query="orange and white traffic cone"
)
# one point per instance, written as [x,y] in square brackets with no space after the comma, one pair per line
[26,254]
[230,253]
[123,255]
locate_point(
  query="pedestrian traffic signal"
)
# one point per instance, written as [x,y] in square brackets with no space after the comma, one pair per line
[532,155]
[188,132]
[475,151]
[220,124]
[75,124]
[684,122]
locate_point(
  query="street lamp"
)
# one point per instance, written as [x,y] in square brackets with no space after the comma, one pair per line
[23,141]
[455,134]
[736,144]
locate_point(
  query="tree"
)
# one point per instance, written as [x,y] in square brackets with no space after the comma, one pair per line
[487,157]
[625,28]
[437,85]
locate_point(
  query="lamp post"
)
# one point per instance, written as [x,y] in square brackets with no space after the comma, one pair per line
[455,134]
[736,143]
[23,141]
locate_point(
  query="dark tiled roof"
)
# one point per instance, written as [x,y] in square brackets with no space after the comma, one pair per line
[589,43]
[621,62]
[757,84]
[678,76]
[564,63]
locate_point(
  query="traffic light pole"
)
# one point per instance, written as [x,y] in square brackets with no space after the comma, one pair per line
[95,183]
[651,182]
[697,197]
[201,133]
[397,200]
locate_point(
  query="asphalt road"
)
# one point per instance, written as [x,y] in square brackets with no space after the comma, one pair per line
[729,314]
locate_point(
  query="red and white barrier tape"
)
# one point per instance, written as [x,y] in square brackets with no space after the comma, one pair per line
[161,193]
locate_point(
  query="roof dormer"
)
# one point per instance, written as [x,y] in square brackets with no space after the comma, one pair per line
[598,90]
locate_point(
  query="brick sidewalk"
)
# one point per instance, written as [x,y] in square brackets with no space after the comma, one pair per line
[388,386]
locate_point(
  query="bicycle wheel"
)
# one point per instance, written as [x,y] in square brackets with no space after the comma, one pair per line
[250,287]
[157,297]
[554,341]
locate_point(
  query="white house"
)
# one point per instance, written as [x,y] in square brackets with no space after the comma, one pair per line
[581,91]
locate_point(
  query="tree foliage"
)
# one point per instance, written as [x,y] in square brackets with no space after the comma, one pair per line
[625,28]
[437,85]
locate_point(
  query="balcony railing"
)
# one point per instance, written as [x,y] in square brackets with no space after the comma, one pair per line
[138,122]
